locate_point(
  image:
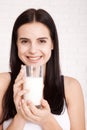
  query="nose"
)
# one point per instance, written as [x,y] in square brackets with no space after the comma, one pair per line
[33,48]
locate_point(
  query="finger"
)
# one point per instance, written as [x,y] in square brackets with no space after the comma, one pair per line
[20,94]
[26,117]
[27,110]
[17,98]
[25,107]
[21,110]
[33,108]
[18,86]
[45,104]
[19,83]
[20,75]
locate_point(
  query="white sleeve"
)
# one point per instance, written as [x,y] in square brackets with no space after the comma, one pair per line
[6,124]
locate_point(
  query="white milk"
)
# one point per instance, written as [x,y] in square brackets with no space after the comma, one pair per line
[35,87]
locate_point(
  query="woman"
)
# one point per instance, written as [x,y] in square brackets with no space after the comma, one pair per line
[35,41]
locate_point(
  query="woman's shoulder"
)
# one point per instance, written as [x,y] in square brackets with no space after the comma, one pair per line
[71,83]
[72,88]
[5,79]
[4,83]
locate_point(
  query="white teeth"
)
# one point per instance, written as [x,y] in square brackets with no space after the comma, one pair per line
[34,58]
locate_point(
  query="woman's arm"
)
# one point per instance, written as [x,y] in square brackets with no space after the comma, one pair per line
[1,127]
[17,123]
[4,82]
[51,124]
[75,104]
[42,116]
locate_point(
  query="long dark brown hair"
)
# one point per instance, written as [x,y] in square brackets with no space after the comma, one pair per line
[53,87]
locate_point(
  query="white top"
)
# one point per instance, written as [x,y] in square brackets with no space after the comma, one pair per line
[62,119]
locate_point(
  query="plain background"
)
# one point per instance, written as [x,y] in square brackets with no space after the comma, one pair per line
[70,17]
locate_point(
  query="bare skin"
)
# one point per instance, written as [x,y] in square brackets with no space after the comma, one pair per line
[74,98]
[4,82]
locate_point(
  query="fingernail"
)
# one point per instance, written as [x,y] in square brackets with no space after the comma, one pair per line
[22,101]
[29,102]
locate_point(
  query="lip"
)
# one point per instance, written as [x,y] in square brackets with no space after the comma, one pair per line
[33,59]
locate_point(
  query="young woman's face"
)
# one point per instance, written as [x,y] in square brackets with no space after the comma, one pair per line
[34,43]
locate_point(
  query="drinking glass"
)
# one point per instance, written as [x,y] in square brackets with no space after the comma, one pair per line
[34,83]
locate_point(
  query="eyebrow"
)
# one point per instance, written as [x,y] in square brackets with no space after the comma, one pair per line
[24,38]
[43,38]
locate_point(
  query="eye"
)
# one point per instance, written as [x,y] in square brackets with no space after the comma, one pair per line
[24,41]
[42,41]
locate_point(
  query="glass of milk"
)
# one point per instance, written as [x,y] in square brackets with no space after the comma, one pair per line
[34,83]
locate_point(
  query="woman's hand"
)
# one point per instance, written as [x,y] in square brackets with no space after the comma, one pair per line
[28,112]
[42,116]
[32,114]
[19,91]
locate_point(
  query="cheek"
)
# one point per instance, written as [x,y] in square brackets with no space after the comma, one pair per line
[21,51]
[47,53]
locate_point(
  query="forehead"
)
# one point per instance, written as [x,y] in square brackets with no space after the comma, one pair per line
[34,28]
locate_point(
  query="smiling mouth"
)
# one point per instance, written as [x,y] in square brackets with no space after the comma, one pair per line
[34,59]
